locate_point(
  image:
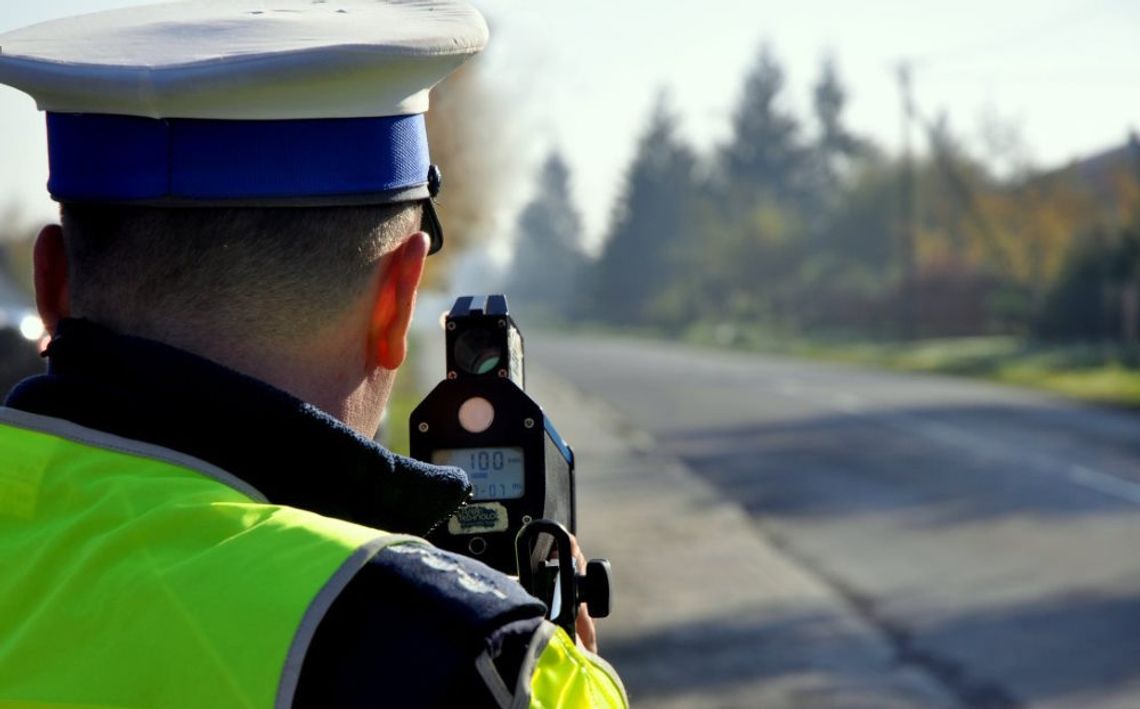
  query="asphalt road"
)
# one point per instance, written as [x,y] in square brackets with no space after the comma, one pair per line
[989,535]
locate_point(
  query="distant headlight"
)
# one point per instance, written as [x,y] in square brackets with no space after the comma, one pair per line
[31,327]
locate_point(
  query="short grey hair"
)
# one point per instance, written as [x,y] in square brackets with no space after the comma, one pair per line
[265,274]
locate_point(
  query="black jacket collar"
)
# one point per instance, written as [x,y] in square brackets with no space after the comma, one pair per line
[292,452]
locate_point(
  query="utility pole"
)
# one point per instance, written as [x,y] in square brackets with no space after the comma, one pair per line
[907,237]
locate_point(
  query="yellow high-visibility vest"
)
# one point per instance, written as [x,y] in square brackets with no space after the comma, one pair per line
[134,576]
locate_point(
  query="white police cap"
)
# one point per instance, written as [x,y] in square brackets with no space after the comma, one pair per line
[242,102]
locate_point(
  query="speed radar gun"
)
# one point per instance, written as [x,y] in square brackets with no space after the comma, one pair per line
[522,511]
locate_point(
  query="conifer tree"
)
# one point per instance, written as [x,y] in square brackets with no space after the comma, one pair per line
[764,153]
[650,220]
[548,258]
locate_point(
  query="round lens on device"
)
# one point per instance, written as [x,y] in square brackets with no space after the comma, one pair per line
[476,415]
[477,351]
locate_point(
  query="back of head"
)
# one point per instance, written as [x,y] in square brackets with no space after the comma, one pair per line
[257,275]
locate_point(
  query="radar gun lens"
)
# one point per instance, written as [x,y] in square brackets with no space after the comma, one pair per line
[477,351]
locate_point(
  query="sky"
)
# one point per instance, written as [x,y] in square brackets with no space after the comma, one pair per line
[582,76]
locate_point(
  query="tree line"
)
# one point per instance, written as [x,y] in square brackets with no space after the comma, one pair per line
[800,223]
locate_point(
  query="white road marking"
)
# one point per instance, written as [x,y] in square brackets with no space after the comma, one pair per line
[955,437]
[847,402]
[790,387]
[1105,483]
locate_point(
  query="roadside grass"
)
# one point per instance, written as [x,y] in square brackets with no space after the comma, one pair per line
[1104,373]
[1107,384]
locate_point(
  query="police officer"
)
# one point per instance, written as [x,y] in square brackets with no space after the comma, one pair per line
[192,512]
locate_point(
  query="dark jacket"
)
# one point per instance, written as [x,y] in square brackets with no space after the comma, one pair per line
[402,633]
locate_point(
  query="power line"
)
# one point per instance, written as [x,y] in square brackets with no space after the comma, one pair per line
[1080,13]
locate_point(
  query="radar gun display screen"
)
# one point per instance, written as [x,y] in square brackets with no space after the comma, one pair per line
[495,473]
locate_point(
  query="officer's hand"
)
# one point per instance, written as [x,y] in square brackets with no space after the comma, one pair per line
[587,634]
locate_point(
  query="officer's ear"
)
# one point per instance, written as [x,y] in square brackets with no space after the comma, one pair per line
[396,299]
[52,295]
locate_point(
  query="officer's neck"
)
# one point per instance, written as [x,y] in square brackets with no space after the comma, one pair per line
[328,369]
[331,372]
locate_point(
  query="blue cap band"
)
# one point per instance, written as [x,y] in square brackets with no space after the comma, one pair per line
[96,157]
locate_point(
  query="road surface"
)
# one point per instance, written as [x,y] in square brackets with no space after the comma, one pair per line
[987,537]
